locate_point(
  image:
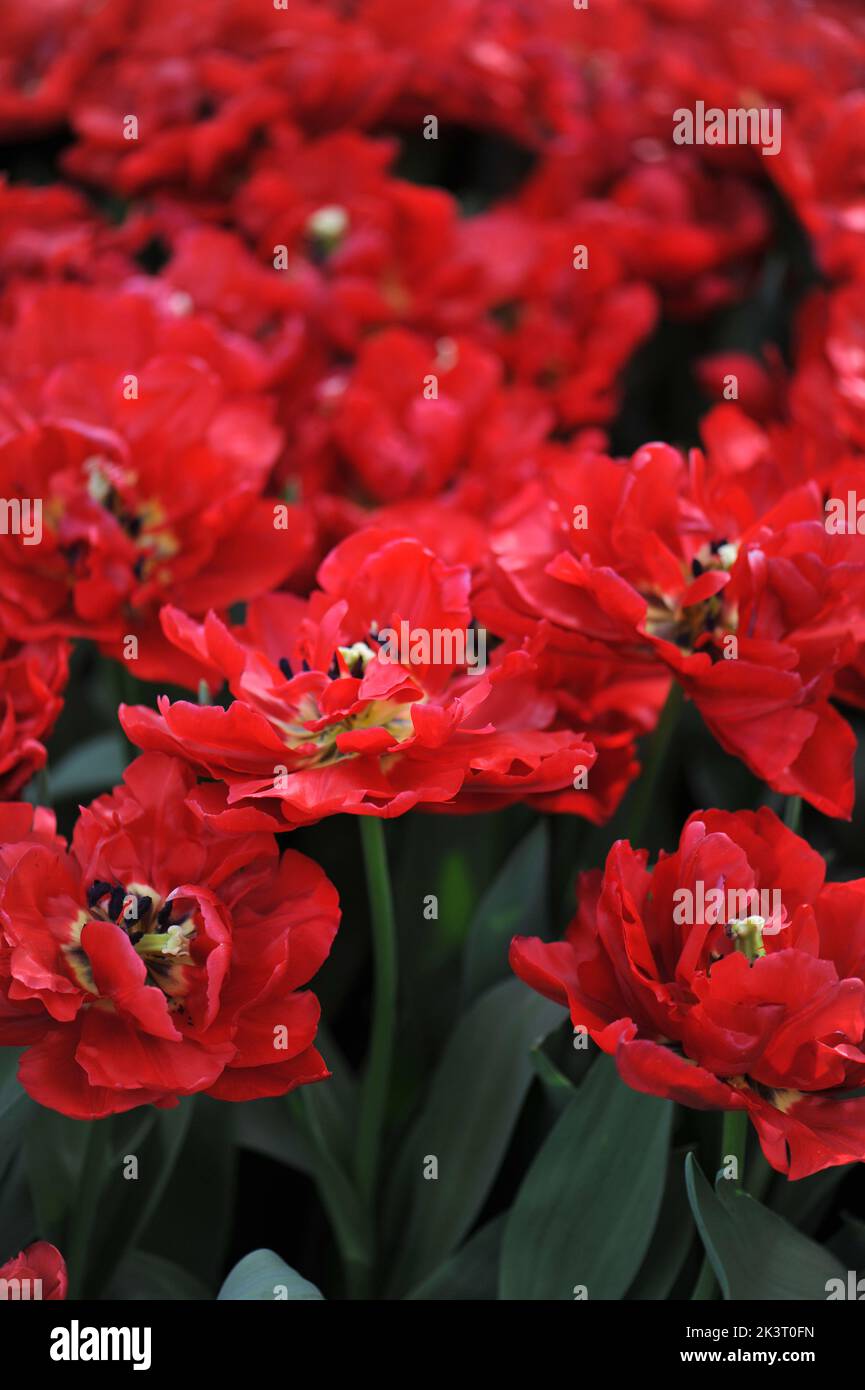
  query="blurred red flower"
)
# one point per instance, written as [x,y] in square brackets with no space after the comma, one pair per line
[38,1272]
[33,676]
[138,429]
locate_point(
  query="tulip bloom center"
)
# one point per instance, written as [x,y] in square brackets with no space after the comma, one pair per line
[142,521]
[158,929]
[316,733]
[689,627]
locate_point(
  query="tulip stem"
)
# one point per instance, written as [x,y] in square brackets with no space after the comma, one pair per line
[734,1143]
[793,813]
[653,763]
[376,1083]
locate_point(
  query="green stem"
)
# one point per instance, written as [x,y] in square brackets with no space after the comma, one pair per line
[760,1175]
[734,1142]
[793,813]
[659,744]
[376,1083]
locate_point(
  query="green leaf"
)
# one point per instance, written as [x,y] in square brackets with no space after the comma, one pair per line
[471,1274]
[87,1209]
[466,1123]
[127,1203]
[268,1127]
[806,1202]
[15,1105]
[291,1130]
[332,1107]
[756,1254]
[9,1057]
[114,1217]
[144,1276]
[348,1216]
[451,858]
[671,1241]
[442,857]
[516,901]
[91,767]
[17,1217]
[54,1150]
[262,1275]
[559,1088]
[190,1224]
[848,1242]
[588,1205]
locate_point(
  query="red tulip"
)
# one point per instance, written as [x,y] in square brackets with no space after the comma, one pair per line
[732,977]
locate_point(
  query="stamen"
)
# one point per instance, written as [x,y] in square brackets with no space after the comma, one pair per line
[97,890]
[163,917]
[115,902]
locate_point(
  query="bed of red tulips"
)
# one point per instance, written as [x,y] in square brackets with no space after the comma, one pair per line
[432,649]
